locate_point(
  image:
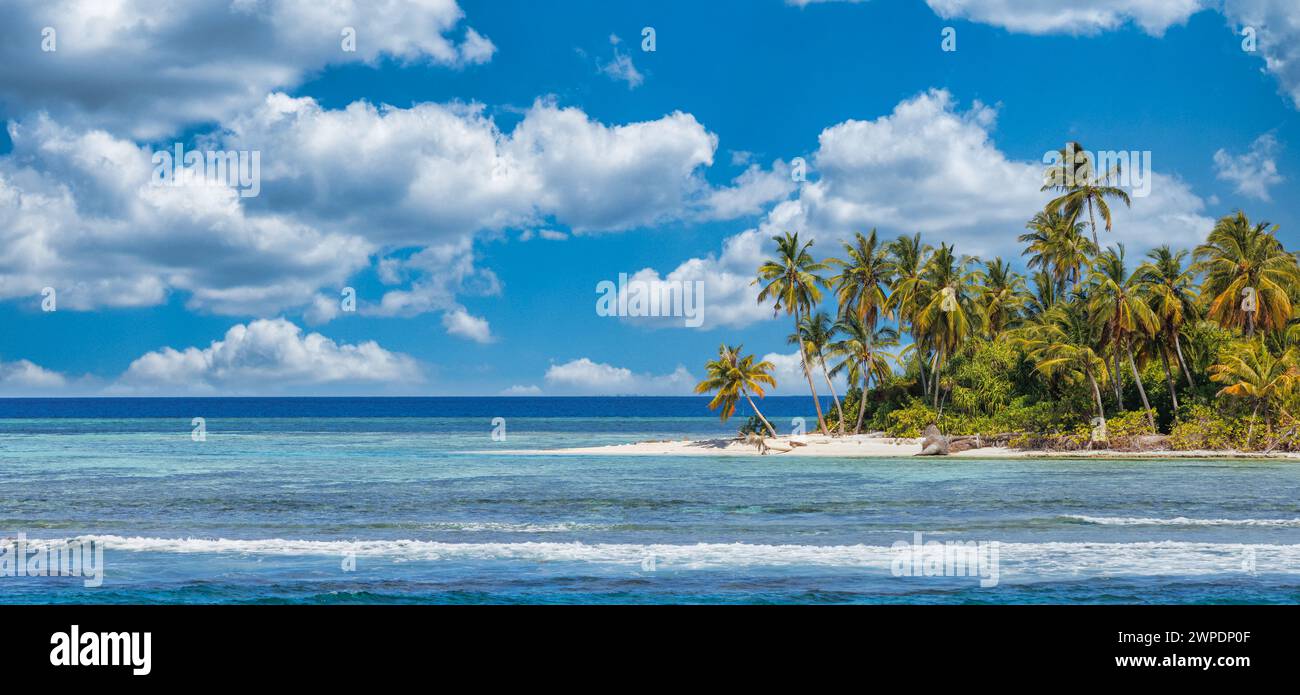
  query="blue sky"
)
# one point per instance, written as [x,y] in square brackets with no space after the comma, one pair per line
[473,170]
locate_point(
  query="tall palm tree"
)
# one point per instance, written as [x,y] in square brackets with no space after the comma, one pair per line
[1255,374]
[1002,295]
[907,259]
[948,313]
[732,376]
[815,334]
[1239,258]
[1117,306]
[792,282]
[864,358]
[1080,187]
[864,275]
[1169,286]
[1058,247]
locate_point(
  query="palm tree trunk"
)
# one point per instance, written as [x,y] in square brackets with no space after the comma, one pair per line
[1250,431]
[1117,385]
[1169,377]
[757,412]
[862,403]
[1141,389]
[838,410]
[1096,393]
[803,362]
[1093,221]
[1250,324]
[920,366]
[934,367]
[1178,346]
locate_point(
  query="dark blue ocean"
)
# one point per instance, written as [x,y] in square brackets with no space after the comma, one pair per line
[397,500]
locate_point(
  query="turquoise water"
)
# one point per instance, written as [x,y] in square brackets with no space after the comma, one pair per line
[418,509]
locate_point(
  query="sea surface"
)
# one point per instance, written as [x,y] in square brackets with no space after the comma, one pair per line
[355,500]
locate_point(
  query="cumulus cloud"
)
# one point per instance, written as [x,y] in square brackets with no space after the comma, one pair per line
[269,356]
[585,377]
[461,323]
[134,68]
[521,390]
[790,380]
[26,378]
[929,167]
[1252,172]
[338,189]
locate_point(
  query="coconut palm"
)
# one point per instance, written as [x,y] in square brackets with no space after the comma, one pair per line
[864,275]
[1253,373]
[791,281]
[733,376]
[1168,284]
[1058,247]
[1002,296]
[815,334]
[864,357]
[1060,343]
[907,259]
[948,314]
[1240,259]
[1118,308]
[1080,187]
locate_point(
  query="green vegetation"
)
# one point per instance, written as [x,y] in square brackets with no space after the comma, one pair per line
[1091,347]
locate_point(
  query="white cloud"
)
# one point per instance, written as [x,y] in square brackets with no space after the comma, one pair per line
[27,378]
[1252,172]
[1074,17]
[461,323]
[135,67]
[521,390]
[790,380]
[620,68]
[585,377]
[269,356]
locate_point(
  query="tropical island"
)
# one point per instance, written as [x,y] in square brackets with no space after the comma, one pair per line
[1180,351]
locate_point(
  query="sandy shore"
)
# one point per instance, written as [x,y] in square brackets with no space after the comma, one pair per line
[856,446]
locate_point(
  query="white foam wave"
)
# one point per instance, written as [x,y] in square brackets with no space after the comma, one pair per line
[1030,560]
[1180,521]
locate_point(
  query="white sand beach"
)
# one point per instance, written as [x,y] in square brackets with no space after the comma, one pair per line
[859,446]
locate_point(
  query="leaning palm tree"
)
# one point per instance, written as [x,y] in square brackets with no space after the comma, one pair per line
[864,357]
[1239,260]
[948,313]
[791,280]
[1081,187]
[734,376]
[1168,285]
[1001,294]
[815,334]
[864,275]
[1253,373]
[1117,306]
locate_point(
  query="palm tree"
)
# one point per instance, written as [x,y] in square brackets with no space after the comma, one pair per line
[1239,258]
[863,356]
[1253,373]
[1080,187]
[815,333]
[1002,295]
[1060,343]
[860,285]
[791,280]
[907,259]
[948,314]
[1168,285]
[1058,247]
[1117,306]
[733,376]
